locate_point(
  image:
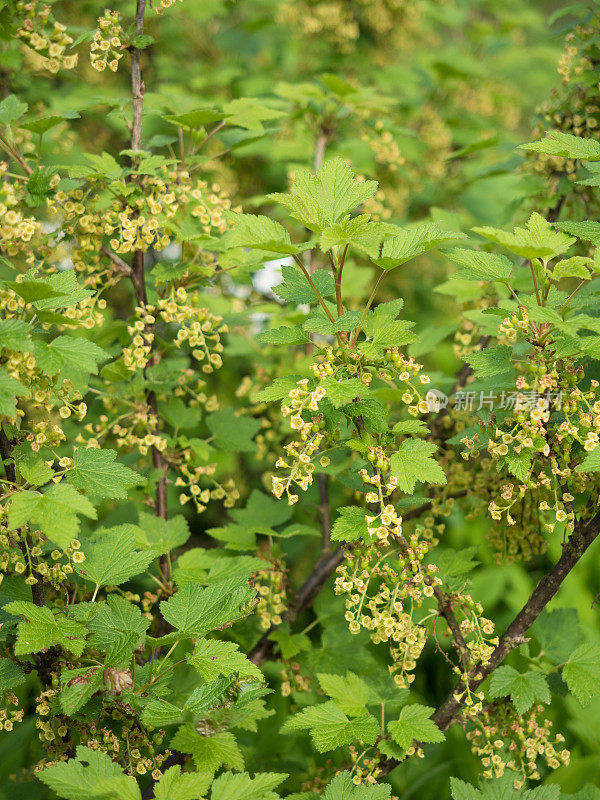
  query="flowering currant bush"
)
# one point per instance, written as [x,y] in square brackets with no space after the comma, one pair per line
[270,529]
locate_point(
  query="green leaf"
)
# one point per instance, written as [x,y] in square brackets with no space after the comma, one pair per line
[373,414]
[343,392]
[209,752]
[591,462]
[194,120]
[33,468]
[111,558]
[249,113]
[321,200]
[456,563]
[581,673]
[193,610]
[412,427]
[213,658]
[77,687]
[537,240]
[14,335]
[342,787]
[158,713]
[260,233]
[501,789]
[11,109]
[480,266]
[175,785]
[565,145]
[329,727]
[414,724]
[74,358]
[114,621]
[142,41]
[10,390]
[32,290]
[287,335]
[491,361]
[523,689]
[40,629]
[588,230]
[161,535]
[350,692]
[93,775]
[40,126]
[320,323]
[558,633]
[296,289]
[233,433]
[412,463]
[350,525]
[575,267]
[11,675]
[55,512]
[96,472]
[359,232]
[242,787]
[413,242]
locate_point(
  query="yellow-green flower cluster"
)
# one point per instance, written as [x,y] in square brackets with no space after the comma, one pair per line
[503,740]
[107,46]
[299,453]
[44,35]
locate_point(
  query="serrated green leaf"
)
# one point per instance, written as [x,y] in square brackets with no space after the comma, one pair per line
[329,727]
[175,785]
[111,558]
[77,687]
[342,787]
[581,673]
[115,620]
[480,266]
[195,610]
[11,675]
[321,200]
[40,629]
[491,361]
[558,633]
[287,335]
[14,335]
[209,752]
[96,472]
[537,239]
[523,688]
[350,525]
[55,512]
[233,433]
[260,233]
[242,787]
[296,289]
[213,658]
[93,775]
[349,692]
[10,390]
[413,242]
[565,145]
[412,463]
[339,393]
[415,724]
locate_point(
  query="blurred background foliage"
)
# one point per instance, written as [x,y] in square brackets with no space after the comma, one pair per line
[429,97]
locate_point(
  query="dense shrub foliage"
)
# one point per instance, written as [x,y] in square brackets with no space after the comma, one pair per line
[300,401]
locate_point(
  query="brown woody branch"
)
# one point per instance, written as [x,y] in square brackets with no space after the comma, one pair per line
[137,273]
